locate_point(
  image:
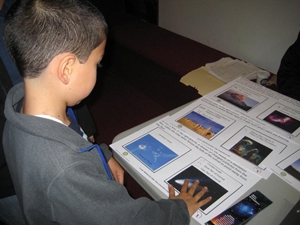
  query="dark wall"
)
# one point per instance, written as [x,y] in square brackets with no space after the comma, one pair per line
[144,9]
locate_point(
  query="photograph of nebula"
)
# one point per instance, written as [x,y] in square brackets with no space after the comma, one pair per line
[283,121]
[237,99]
[251,150]
[294,169]
[215,190]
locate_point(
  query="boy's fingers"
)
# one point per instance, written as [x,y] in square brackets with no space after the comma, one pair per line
[204,201]
[193,187]
[171,191]
[185,186]
[201,193]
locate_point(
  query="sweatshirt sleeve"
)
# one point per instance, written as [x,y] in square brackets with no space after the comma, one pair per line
[80,195]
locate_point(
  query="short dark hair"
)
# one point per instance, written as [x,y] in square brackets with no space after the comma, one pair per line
[35,31]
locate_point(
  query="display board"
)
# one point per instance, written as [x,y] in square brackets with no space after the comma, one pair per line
[228,139]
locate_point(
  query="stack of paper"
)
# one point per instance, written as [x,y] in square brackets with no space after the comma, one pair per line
[228,69]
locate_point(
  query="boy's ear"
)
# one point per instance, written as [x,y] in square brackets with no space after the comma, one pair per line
[66,68]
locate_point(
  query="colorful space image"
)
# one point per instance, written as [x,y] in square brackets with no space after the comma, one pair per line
[238,99]
[294,169]
[201,125]
[283,121]
[214,189]
[251,150]
[151,152]
[243,211]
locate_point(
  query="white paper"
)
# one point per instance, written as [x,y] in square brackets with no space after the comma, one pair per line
[228,140]
[228,69]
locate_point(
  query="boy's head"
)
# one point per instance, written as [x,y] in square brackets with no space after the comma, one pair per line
[36,31]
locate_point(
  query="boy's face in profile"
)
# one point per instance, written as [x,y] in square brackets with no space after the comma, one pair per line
[85,74]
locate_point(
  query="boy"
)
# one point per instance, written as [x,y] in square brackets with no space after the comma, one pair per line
[58,175]
[10,211]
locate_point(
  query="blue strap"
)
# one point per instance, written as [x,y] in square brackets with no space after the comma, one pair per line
[106,167]
[71,113]
[101,157]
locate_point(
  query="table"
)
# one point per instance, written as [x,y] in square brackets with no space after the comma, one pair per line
[283,195]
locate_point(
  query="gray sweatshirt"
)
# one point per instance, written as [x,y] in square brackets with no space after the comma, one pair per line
[59,183]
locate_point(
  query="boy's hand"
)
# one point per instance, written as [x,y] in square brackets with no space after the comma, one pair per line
[188,196]
[117,170]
